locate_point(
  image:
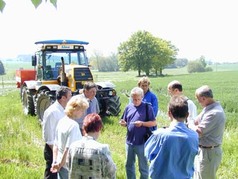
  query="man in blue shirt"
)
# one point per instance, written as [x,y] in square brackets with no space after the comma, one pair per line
[136,121]
[171,151]
[89,92]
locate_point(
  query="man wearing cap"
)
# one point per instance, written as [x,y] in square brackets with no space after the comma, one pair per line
[210,125]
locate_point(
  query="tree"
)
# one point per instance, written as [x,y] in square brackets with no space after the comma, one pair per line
[137,53]
[36,3]
[105,64]
[144,52]
[2,69]
[166,53]
[198,65]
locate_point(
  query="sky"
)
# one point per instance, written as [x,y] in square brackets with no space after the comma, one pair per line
[195,27]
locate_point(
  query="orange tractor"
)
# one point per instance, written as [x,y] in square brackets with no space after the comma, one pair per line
[57,63]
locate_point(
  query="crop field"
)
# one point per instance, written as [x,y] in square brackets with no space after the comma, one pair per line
[21,144]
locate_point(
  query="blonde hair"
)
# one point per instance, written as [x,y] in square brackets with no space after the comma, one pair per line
[76,103]
[144,79]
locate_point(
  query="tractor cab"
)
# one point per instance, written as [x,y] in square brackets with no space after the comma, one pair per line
[48,59]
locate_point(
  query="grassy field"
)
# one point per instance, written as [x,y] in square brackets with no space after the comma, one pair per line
[21,144]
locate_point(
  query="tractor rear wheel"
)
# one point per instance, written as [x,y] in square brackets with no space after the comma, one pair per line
[42,102]
[27,101]
[113,106]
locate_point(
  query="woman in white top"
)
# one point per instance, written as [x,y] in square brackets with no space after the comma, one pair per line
[67,131]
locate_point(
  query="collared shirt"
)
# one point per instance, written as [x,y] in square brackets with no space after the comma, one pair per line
[192,110]
[90,159]
[132,113]
[93,108]
[212,124]
[151,98]
[171,152]
[67,132]
[51,117]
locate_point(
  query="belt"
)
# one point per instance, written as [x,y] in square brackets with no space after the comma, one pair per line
[208,147]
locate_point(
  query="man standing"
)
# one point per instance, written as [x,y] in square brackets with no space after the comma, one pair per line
[89,92]
[171,151]
[210,126]
[51,118]
[137,117]
[175,88]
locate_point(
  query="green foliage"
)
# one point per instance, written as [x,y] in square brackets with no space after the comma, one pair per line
[36,3]
[104,64]
[137,52]
[2,5]
[2,69]
[144,52]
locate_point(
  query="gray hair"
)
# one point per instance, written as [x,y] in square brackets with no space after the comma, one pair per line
[204,91]
[137,91]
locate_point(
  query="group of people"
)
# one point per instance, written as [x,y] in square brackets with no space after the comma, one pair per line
[71,127]
[190,147]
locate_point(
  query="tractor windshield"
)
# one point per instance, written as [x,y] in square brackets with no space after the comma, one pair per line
[51,61]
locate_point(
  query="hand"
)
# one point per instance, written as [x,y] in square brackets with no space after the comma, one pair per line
[55,167]
[138,123]
[122,122]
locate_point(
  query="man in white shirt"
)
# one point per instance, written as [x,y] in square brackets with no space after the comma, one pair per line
[51,117]
[175,88]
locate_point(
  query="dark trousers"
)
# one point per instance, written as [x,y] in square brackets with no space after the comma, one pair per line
[48,155]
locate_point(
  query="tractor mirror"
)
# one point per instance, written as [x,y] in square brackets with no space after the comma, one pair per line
[33,62]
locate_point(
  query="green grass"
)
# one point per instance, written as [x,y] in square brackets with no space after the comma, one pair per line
[21,144]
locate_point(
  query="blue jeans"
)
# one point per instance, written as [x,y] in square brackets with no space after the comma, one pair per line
[63,173]
[131,152]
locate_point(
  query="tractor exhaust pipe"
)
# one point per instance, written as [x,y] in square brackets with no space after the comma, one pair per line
[63,74]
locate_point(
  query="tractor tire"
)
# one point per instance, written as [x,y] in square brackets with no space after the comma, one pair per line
[27,101]
[42,102]
[113,106]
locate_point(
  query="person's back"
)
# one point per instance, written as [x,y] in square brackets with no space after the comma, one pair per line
[171,151]
[88,159]
[179,150]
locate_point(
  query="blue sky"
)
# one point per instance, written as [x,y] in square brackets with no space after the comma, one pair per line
[195,27]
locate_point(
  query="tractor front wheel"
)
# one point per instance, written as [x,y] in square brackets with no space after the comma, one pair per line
[42,102]
[113,106]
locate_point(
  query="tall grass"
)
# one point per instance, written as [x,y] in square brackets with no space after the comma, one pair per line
[21,144]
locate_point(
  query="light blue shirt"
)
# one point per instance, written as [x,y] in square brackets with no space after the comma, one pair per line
[93,108]
[171,152]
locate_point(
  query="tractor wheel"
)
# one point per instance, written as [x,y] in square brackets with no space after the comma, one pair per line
[113,106]
[42,102]
[27,101]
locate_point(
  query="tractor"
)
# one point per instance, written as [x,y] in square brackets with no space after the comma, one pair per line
[61,63]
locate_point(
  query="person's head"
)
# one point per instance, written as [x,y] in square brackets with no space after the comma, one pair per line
[137,95]
[90,90]
[178,108]
[144,83]
[63,95]
[204,95]
[76,107]
[92,123]
[175,88]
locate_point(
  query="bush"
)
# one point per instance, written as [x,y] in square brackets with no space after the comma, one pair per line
[195,66]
